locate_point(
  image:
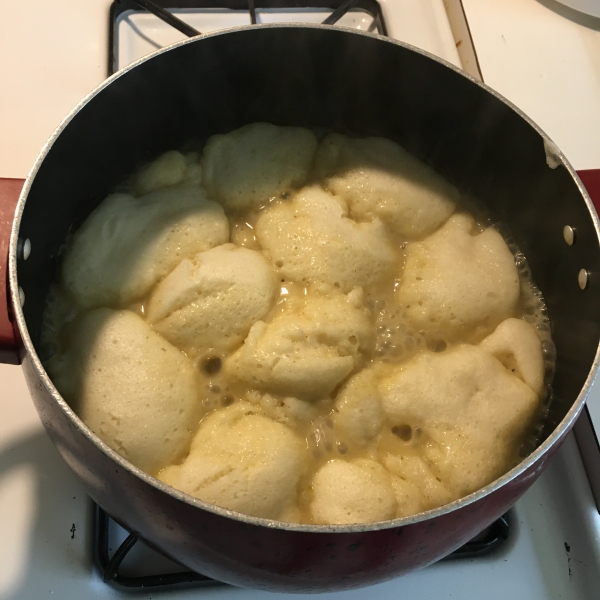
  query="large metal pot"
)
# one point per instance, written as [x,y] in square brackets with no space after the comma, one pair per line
[311,76]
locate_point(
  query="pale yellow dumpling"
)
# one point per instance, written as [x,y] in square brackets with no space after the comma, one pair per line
[133,389]
[246,168]
[470,408]
[358,414]
[377,177]
[416,485]
[407,497]
[308,348]
[296,414]
[243,461]
[344,492]
[128,244]
[171,168]
[458,280]
[517,346]
[212,300]
[312,239]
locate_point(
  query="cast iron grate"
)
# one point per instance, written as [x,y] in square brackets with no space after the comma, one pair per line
[110,563]
[160,9]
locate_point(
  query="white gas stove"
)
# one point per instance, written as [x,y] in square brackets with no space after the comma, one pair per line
[540,55]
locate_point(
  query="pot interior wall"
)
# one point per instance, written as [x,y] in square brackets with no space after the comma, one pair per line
[340,81]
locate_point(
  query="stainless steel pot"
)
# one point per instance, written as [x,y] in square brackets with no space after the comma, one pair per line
[350,82]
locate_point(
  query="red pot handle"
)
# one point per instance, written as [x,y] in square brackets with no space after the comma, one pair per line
[9,334]
[9,194]
[591,180]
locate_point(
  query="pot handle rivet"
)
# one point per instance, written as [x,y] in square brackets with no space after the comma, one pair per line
[569,235]
[24,249]
[21,296]
[582,278]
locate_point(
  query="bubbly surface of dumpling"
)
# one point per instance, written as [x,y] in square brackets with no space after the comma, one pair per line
[358,413]
[517,346]
[296,414]
[171,168]
[407,497]
[212,300]
[456,280]
[244,169]
[133,389]
[352,492]
[415,484]
[471,410]
[376,176]
[128,244]
[243,461]
[312,239]
[308,348]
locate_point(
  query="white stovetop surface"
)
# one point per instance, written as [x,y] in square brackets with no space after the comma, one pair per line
[544,58]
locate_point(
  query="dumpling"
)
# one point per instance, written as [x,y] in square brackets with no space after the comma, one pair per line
[246,168]
[312,239]
[517,346]
[471,412]
[352,492]
[212,300]
[415,484]
[128,244]
[243,461]
[456,280]
[377,177]
[358,414]
[308,348]
[171,168]
[296,414]
[133,389]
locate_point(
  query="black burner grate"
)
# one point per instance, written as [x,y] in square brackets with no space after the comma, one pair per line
[110,564]
[160,9]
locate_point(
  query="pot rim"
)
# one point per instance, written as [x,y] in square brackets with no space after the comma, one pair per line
[555,437]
